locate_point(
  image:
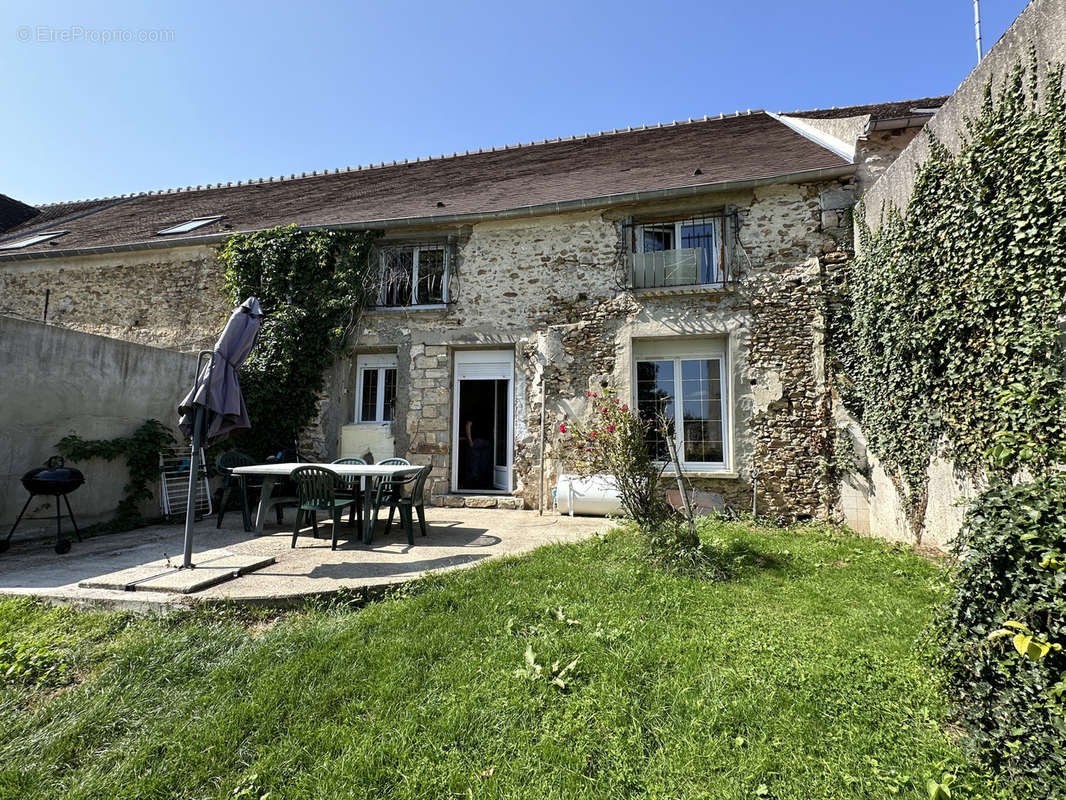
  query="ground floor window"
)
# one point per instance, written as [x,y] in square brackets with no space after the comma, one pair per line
[685,382]
[375,389]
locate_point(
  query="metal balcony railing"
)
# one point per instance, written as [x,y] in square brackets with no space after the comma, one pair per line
[674,253]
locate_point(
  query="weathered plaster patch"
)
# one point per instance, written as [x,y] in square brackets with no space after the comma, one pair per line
[767,392]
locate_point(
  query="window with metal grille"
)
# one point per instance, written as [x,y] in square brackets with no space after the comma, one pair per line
[414,275]
[694,251]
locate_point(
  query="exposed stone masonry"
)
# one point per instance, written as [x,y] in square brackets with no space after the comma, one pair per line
[162,298]
[551,289]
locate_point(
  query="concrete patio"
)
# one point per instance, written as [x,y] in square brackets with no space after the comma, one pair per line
[136,570]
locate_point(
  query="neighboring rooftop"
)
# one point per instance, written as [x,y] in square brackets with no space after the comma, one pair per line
[877,111]
[579,171]
[14,213]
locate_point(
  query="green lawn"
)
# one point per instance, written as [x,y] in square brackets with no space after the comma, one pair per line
[803,677]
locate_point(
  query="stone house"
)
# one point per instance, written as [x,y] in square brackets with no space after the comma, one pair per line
[681,263]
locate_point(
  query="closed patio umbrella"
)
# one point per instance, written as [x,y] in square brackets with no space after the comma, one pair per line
[214,407]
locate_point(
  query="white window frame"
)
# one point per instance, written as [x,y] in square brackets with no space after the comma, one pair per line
[379,364]
[484,365]
[716,224]
[415,252]
[678,350]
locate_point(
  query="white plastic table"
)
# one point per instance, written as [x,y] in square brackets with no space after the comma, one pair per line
[272,473]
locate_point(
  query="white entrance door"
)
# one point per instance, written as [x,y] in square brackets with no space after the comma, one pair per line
[483,421]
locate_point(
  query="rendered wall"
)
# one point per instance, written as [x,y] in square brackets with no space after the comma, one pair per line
[56,382]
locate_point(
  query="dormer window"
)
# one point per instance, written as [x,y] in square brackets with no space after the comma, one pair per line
[191,225]
[37,238]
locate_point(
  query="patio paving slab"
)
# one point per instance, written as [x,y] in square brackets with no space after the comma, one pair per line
[211,568]
[101,570]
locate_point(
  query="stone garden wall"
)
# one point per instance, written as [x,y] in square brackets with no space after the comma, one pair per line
[872,502]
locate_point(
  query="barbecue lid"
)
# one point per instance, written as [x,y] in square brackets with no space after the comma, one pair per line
[54,474]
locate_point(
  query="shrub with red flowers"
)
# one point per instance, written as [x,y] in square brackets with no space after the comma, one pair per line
[612,440]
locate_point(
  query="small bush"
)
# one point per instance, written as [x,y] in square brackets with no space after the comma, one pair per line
[675,548]
[1002,634]
[614,441]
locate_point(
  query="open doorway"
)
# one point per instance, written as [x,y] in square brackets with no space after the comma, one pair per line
[483,421]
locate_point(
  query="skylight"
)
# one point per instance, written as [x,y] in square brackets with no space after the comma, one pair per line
[37,238]
[191,225]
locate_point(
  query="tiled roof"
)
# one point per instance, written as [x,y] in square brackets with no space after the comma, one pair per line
[743,147]
[14,213]
[894,110]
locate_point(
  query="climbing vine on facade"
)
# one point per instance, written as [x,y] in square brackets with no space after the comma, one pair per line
[949,336]
[312,286]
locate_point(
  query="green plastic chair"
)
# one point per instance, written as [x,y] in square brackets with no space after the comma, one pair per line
[225,465]
[388,488]
[408,504]
[352,486]
[316,489]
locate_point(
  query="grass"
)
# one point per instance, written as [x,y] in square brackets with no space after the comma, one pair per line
[799,678]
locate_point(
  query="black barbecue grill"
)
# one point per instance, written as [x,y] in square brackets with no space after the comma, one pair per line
[56,480]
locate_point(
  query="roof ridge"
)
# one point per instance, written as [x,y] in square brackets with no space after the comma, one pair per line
[406,161]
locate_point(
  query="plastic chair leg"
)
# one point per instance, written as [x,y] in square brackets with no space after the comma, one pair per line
[421,509]
[338,511]
[373,523]
[296,527]
[222,505]
[408,523]
[246,513]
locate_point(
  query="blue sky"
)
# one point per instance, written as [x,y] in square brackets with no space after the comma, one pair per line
[226,91]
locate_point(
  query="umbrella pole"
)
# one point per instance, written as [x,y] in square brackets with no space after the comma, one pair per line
[199,435]
[194,469]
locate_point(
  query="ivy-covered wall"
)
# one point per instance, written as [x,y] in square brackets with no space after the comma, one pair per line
[947,342]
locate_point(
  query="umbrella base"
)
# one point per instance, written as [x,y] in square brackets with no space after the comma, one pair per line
[215,567]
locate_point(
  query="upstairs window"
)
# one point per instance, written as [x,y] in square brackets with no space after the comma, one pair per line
[414,275]
[679,252]
[375,389]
